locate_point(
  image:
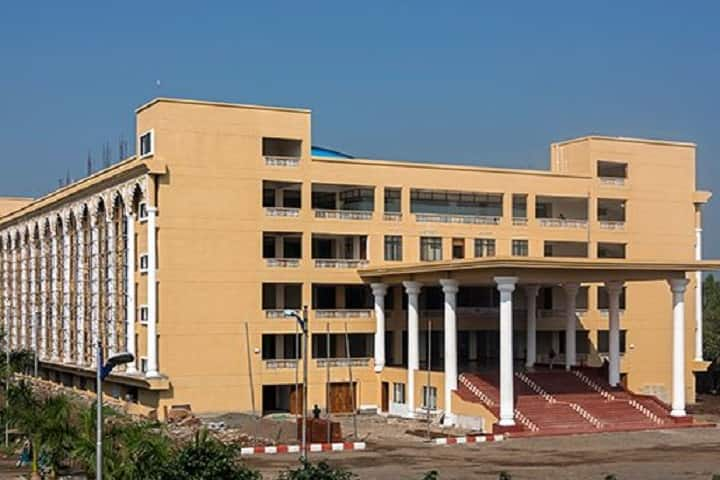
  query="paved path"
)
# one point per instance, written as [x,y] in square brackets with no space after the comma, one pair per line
[686,454]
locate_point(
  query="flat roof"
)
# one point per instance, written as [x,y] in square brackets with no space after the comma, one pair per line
[655,141]
[217,104]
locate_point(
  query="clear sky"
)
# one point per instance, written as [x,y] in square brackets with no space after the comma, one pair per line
[464,82]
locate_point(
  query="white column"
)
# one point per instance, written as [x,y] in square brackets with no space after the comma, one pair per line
[379,291]
[472,345]
[111,310]
[698,298]
[450,289]
[531,293]
[397,347]
[6,289]
[80,291]
[677,286]
[614,289]
[43,294]
[571,290]
[66,269]
[14,290]
[413,292]
[94,287]
[23,291]
[55,293]
[130,293]
[33,315]
[152,364]
[506,286]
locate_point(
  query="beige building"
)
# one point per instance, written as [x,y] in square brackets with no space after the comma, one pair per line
[189,253]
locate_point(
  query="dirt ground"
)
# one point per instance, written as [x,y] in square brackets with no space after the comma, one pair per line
[663,454]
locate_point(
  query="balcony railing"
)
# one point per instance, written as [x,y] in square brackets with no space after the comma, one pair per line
[277,161]
[282,212]
[466,219]
[562,223]
[619,181]
[275,313]
[282,262]
[277,364]
[339,263]
[343,214]
[519,222]
[612,225]
[343,362]
[392,216]
[343,313]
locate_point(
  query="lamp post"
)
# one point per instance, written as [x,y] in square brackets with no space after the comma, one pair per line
[303,323]
[102,372]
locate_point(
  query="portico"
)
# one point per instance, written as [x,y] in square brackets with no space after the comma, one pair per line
[520,279]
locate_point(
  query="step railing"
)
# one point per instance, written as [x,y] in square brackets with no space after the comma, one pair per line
[594,385]
[589,417]
[646,411]
[525,421]
[535,387]
[476,391]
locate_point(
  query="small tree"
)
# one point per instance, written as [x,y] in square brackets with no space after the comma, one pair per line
[209,459]
[321,471]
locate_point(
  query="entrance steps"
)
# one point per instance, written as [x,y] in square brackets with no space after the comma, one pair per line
[557,402]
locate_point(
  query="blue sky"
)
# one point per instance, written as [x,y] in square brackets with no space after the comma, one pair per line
[464,82]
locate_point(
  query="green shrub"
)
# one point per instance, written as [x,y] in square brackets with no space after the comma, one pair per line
[321,471]
[431,475]
[504,476]
[208,459]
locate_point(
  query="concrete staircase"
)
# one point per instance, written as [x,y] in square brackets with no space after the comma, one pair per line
[556,402]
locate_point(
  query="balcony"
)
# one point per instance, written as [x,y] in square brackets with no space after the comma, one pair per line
[281,199]
[443,206]
[282,212]
[616,181]
[278,297]
[464,219]
[339,251]
[611,213]
[282,262]
[281,152]
[612,225]
[343,214]
[562,212]
[343,202]
[282,249]
[392,217]
[274,313]
[344,313]
[342,362]
[280,364]
[519,222]
[339,263]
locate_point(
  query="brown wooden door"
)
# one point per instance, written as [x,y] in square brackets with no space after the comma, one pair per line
[341,400]
[385,397]
[296,400]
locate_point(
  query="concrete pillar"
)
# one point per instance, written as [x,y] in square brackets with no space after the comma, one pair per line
[450,289]
[152,358]
[43,294]
[397,347]
[678,286]
[379,291]
[55,300]
[14,291]
[473,345]
[531,292]
[23,290]
[614,289]
[66,313]
[33,314]
[130,303]
[111,287]
[94,287]
[571,290]
[506,286]
[413,292]
[698,299]
[80,280]
[6,289]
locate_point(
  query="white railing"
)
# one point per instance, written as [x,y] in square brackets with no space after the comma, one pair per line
[343,313]
[612,225]
[282,262]
[535,387]
[343,362]
[282,212]
[594,385]
[339,263]
[392,216]
[343,214]
[467,219]
[589,417]
[278,161]
[646,411]
[275,313]
[519,222]
[476,391]
[277,364]
[612,181]
[562,223]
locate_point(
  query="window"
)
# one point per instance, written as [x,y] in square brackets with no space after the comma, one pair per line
[143,314]
[429,397]
[144,263]
[611,169]
[458,248]
[430,249]
[484,247]
[276,296]
[393,248]
[398,393]
[281,147]
[611,250]
[361,345]
[142,211]
[565,249]
[279,346]
[519,205]
[604,301]
[392,200]
[147,144]
[520,248]
[603,341]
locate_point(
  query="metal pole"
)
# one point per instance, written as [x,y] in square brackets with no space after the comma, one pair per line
[35,355]
[7,388]
[98,427]
[352,384]
[327,379]
[252,383]
[305,381]
[427,387]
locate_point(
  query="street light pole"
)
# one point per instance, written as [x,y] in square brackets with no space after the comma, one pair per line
[303,322]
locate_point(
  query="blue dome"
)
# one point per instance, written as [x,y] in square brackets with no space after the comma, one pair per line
[327,153]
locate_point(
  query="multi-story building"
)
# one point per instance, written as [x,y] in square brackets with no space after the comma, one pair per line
[188,254]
